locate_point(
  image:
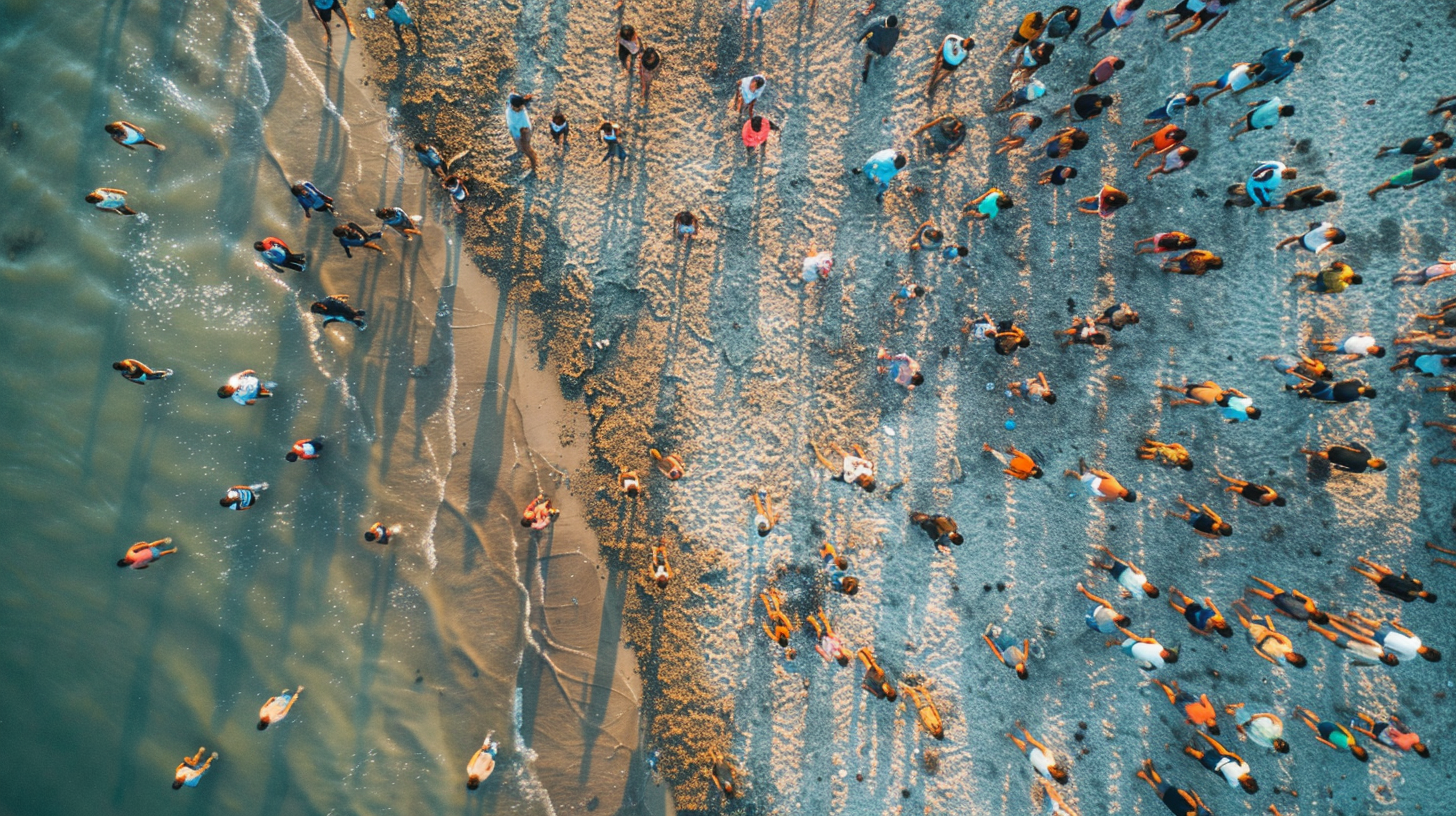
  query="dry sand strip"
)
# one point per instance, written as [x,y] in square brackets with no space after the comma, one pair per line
[717,355]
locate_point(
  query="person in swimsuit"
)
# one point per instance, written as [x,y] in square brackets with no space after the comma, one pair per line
[1165,242]
[925,707]
[1064,142]
[1102,486]
[129,136]
[749,90]
[988,205]
[629,45]
[782,628]
[242,497]
[837,566]
[1392,637]
[353,236]
[1333,279]
[942,530]
[1394,734]
[1203,618]
[398,220]
[1334,735]
[1021,95]
[1118,15]
[1355,347]
[305,449]
[1348,458]
[1085,106]
[611,136]
[1414,176]
[881,168]
[1127,575]
[857,469]
[518,120]
[671,465]
[138,372]
[1419,147]
[1269,644]
[1342,391]
[189,772]
[949,57]
[1164,140]
[1177,800]
[1101,617]
[875,681]
[879,40]
[659,569]
[1197,710]
[651,64]
[1304,198]
[1040,756]
[947,134]
[1017,463]
[1011,652]
[765,518]
[1173,161]
[1290,603]
[1084,332]
[309,197]
[1102,72]
[110,199]
[1440,270]
[245,388]
[756,132]
[722,774]
[539,514]
[140,555]
[324,11]
[1020,126]
[1358,646]
[1232,767]
[1148,652]
[1195,262]
[277,707]
[1033,387]
[277,254]
[1264,729]
[1211,393]
[1107,201]
[336,309]
[1402,587]
[827,644]
[1027,31]
[1172,108]
[629,482]
[482,762]
[1261,495]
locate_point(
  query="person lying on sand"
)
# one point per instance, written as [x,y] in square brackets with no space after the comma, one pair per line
[829,646]
[1204,521]
[1393,734]
[629,482]
[1402,587]
[1055,804]
[1196,262]
[1033,387]
[1419,147]
[277,707]
[482,762]
[1298,369]
[1265,729]
[381,532]
[837,567]
[1333,279]
[782,628]
[1040,756]
[722,774]
[1148,652]
[946,135]
[1101,617]
[1262,495]
[1318,238]
[1100,484]
[1181,802]
[190,770]
[1354,458]
[1415,175]
[1358,646]
[1084,332]
[941,530]
[1440,270]
[925,707]
[901,369]
[765,517]
[305,449]
[660,571]
[1290,603]
[1334,735]
[1203,618]
[1391,636]
[1011,652]
[1198,710]
[1240,76]
[1057,176]
[539,514]
[1233,404]
[1118,317]
[1265,115]
[140,373]
[875,681]
[1232,767]
[1354,347]
[857,469]
[1020,95]
[1268,643]
[1017,463]
[1304,198]
[1085,106]
[1342,391]
[1172,455]
[671,465]
[142,554]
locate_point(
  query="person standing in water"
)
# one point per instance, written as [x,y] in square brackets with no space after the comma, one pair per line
[398,220]
[139,373]
[129,136]
[245,388]
[482,762]
[277,707]
[336,309]
[879,39]
[308,196]
[277,253]
[518,119]
[140,555]
[1265,729]
[324,10]
[305,449]
[1334,735]
[190,770]
[242,497]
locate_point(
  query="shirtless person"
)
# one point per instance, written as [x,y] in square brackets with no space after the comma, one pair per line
[1010,652]
[1198,710]
[1016,463]
[190,770]
[782,627]
[875,681]
[141,555]
[925,707]
[138,372]
[1174,455]
[671,465]
[1268,643]
[857,469]
[1204,521]
[1402,587]
[1101,484]
[1203,618]
[482,762]
[1212,394]
[277,707]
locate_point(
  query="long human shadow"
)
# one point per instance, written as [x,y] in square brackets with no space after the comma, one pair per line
[599,691]
[371,636]
[113,20]
[138,703]
[114,338]
[395,378]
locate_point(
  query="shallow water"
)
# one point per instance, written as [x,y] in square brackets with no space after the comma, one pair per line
[409,653]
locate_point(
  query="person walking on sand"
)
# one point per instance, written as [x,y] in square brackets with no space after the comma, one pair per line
[685,226]
[1177,800]
[660,571]
[1161,141]
[1333,279]
[190,770]
[1265,729]
[110,199]
[1440,270]
[1101,484]
[629,482]
[1118,15]
[749,89]
[1204,521]
[1016,464]
[1019,95]
[1356,346]
[629,45]
[1419,147]
[140,555]
[925,708]
[1231,400]
[1085,106]
[1196,262]
[242,497]
[773,606]
[518,119]
[277,254]
[1240,76]
[946,135]
[837,567]
[875,681]
[1027,31]
[1304,198]
[611,136]
[671,465]
[1107,202]
[455,188]
[1173,161]
[560,130]
[1203,618]
[1402,587]
[900,368]
[879,40]
[1288,602]
[1354,458]
[1415,175]
[756,132]
[988,205]
[721,772]
[1172,455]
[1334,735]
[1197,710]
[1165,242]
[1261,495]
[323,11]
[1393,734]
[277,707]
[245,388]
[942,530]
[856,469]
[1173,107]
[1102,72]
[539,514]
[482,762]
[1265,115]
[1127,575]
[1040,756]
[1019,126]
[138,372]
[381,533]
[1278,64]
[827,644]
[430,158]
[1232,767]
[1029,59]
[305,449]
[309,197]
[399,17]
[1148,652]
[1011,652]
[1269,644]
[129,136]
[1101,617]
[951,54]
[1359,646]
[353,236]
[1033,387]
[336,309]
[1064,142]
[651,64]
[765,518]
[1084,332]
[881,168]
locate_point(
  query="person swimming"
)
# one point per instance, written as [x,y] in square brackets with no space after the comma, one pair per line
[142,554]
[190,770]
[129,136]
[140,373]
[277,707]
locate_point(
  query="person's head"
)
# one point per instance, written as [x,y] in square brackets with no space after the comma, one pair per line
[526,521]
[451,182]
[1042,51]
[841,657]
[1212,725]
[918,290]
[1441,139]
[1005,202]
[1367,392]
[1148,589]
[661,580]
[917,378]
[1356,280]
[370,535]
[340,232]
[1294,56]
[421,147]
[1105,101]
[892,21]
[1376,351]
[1430,654]
[633,490]
[1116,199]
[1034,122]
[1122,620]
[900,160]
[1280,501]
[1247,782]
[650,58]
[558,118]
[123,563]
[258,245]
[1335,235]
[1059,773]
[297,189]
[783,638]
[757,82]
[1021,672]
[1360,753]
[93,198]
[756,122]
[1170,656]
[953,127]
[1222,627]
[1427,596]
[473,782]
[867,482]
[850,585]
[176,784]
[1098,338]
[1131,496]
[226,501]
[1376,463]
[933,235]
[1225,529]
[1281,746]
[226,391]
[291,456]
[1296,660]
[263,722]
[1319,616]
[1189,154]
[627,32]
[116,128]
[1079,139]
[1069,173]
[1178,134]
[1327,196]
[1134,6]
[1036,472]
[1253,412]
[958,539]
[1073,16]
[382,212]
[1119,64]
[1389,659]
[1191,100]
[1289,173]
[1286,110]
[1421,750]
[1050,398]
